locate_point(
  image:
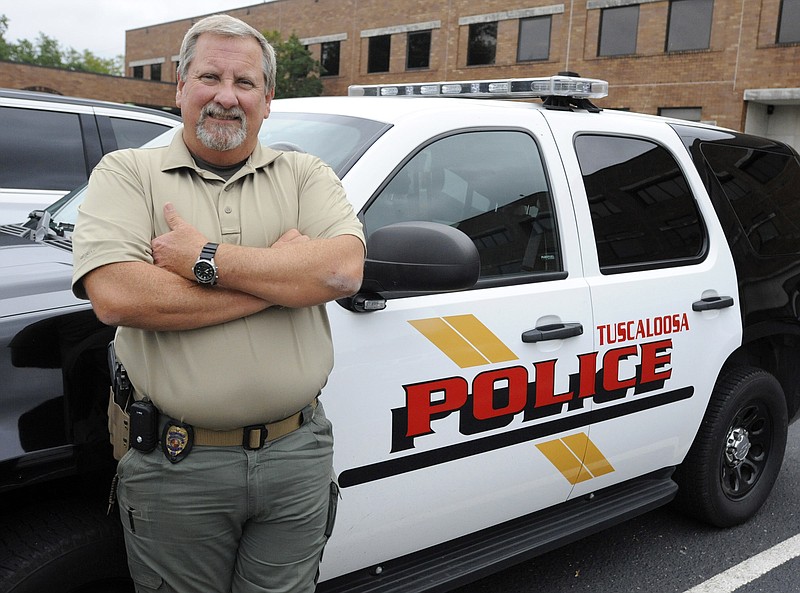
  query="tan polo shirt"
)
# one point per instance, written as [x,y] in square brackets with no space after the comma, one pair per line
[257,369]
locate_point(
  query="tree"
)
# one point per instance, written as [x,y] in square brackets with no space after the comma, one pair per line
[298,72]
[46,51]
[88,62]
[5,50]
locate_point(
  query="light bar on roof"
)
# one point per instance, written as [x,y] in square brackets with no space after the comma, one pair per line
[519,88]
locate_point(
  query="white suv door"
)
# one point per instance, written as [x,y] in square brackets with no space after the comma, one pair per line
[468,403]
[662,283]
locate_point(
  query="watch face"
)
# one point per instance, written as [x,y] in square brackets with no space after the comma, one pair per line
[204,272]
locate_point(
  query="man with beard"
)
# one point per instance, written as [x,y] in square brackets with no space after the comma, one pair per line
[215,257]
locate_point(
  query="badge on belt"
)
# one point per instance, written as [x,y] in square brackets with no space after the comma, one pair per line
[177,439]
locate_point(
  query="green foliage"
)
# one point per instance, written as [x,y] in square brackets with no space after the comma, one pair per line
[46,51]
[5,51]
[88,62]
[298,71]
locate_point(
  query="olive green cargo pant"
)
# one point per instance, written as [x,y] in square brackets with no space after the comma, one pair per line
[225,519]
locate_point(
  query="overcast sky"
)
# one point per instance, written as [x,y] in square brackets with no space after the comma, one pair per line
[99,25]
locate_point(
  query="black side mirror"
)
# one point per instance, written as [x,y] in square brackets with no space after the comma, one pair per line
[412,257]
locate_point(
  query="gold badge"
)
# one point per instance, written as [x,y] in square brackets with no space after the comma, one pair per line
[177,440]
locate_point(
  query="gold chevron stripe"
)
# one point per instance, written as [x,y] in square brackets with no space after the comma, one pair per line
[565,461]
[594,461]
[464,339]
[446,339]
[481,338]
[566,454]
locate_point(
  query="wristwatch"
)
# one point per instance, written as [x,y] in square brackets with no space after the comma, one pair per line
[205,270]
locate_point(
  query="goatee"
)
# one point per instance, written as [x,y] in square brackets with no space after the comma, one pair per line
[218,136]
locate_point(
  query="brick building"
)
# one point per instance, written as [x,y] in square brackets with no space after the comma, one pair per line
[146,93]
[736,63]
[732,62]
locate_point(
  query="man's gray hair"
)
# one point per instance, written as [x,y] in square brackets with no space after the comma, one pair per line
[227,26]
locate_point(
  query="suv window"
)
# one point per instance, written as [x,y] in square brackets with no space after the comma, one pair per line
[132,133]
[30,163]
[489,184]
[761,187]
[643,213]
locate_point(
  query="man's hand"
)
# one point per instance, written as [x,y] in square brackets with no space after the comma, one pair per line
[177,250]
[292,236]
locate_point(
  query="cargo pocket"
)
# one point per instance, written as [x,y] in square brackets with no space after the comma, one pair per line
[146,578]
[333,504]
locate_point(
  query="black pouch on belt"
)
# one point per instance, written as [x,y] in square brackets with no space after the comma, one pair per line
[144,425]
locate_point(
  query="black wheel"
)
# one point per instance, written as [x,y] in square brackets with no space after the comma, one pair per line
[738,451]
[70,547]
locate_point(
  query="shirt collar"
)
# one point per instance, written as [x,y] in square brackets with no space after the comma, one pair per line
[177,156]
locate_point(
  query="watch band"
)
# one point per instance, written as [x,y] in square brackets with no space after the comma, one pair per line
[208,251]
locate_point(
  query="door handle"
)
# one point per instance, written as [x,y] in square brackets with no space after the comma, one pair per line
[711,303]
[555,331]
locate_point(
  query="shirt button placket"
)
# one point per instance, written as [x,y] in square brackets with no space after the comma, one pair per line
[225,204]
[228,213]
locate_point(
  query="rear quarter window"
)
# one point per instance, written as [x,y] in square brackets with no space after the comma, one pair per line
[131,133]
[763,188]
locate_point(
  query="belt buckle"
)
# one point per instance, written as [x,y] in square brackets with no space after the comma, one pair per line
[247,430]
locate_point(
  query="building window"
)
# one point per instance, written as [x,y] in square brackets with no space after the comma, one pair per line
[329,58]
[155,71]
[534,39]
[618,29]
[689,24]
[419,50]
[789,24]
[379,52]
[138,71]
[687,113]
[482,44]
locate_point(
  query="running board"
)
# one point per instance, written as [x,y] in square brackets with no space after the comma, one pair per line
[456,563]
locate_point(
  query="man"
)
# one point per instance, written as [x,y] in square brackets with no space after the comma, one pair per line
[215,256]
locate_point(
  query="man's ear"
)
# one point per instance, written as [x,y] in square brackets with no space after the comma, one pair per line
[179,92]
[270,96]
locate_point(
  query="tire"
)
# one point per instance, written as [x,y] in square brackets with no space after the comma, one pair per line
[70,547]
[738,451]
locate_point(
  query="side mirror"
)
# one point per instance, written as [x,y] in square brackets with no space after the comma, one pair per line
[412,257]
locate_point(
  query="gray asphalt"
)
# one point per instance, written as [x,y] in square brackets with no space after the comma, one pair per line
[665,552]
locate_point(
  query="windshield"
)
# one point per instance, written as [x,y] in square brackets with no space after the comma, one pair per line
[64,212]
[336,139]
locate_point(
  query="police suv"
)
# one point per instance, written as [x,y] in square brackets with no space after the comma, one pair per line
[569,316]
